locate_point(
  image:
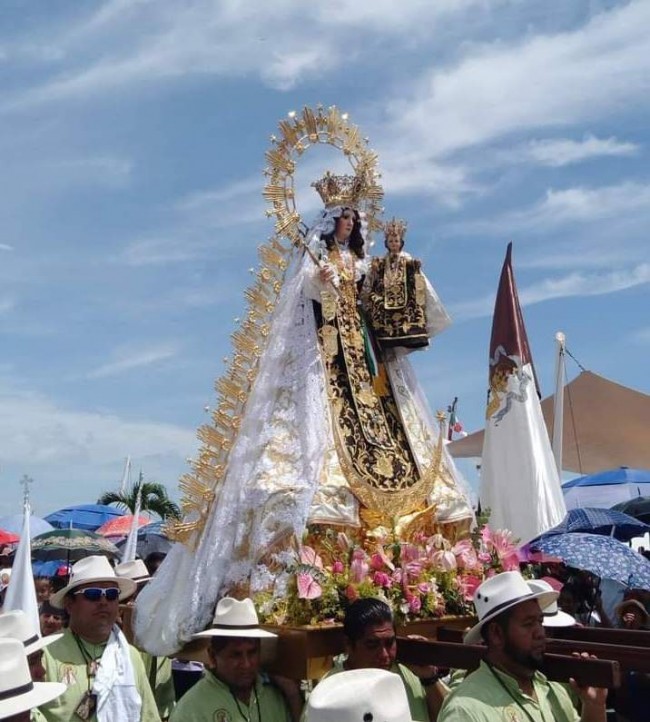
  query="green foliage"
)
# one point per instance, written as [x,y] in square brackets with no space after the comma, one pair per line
[154,499]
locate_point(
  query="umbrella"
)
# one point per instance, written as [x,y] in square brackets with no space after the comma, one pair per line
[84,516]
[121,526]
[639,508]
[599,521]
[14,524]
[601,555]
[7,537]
[606,488]
[151,538]
[70,545]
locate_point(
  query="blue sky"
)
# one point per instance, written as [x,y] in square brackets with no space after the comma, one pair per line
[132,140]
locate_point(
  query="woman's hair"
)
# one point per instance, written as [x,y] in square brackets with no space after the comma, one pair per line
[355,242]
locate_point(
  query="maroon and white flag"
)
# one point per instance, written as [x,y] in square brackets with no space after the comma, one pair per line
[519,479]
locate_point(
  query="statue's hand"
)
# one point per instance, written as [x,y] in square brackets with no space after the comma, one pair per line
[326,273]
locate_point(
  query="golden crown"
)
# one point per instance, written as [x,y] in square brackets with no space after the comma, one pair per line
[395,228]
[341,190]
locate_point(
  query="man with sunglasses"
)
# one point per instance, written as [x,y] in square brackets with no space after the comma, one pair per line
[104,675]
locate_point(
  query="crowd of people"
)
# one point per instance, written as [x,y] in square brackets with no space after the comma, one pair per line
[79,664]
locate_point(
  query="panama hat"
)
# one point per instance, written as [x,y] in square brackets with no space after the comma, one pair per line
[135,570]
[93,569]
[553,615]
[17,691]
[234,618]
[499,593]
[358,696]
[15,625]
[631,604]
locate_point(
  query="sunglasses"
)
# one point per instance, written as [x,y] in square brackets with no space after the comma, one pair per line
[94,594]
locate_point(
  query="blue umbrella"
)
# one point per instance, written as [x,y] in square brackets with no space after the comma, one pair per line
[599,521]
[14,524]
[601,555]
[85,516]
[151,538]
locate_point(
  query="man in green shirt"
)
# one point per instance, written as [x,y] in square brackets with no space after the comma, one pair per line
[508,686]
[232,689]
[104,675]
[371,642]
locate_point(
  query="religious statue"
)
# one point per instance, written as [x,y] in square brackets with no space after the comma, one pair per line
[322,427]
[403,308]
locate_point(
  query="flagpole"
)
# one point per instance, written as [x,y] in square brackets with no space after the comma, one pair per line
[126,474]
[558,401]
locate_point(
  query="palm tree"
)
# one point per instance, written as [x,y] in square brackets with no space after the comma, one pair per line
[154,498]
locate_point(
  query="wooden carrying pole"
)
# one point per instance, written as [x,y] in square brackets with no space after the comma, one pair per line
[560,668]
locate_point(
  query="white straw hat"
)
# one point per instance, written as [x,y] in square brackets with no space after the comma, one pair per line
[93,569]
[553,615]
[135,570]
[499,593]
[17,691]
[15,625]
[360,695]
[234,618]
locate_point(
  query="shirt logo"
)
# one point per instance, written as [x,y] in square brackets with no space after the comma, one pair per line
[221,715]
[68,675]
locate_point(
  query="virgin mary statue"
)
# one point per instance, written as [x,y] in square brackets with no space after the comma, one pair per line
[335,432]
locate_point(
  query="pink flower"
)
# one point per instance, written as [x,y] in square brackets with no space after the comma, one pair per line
[412,570]
[437,541]
[338,567]
[465,554]
[379,560]
[510,561]
[359,566]
[381,579]
[415,605]
[308,587]
[410,553]
[467,584]
[484,557]
[309,556]
[351,593]
[397,576]
[445,561]
[427,587]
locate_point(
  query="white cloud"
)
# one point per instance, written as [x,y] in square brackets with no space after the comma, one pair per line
[558,152]
[573,284]
[570,206]
[282,42]
[37,429]
[541,82]
[128,359]
[6,247]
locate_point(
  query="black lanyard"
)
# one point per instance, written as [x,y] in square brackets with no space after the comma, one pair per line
[512,697]
[241,711]
[91,662]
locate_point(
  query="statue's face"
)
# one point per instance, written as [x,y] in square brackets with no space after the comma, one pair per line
[394,243]
[345,224]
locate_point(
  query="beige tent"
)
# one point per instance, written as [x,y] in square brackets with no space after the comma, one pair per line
[606,425]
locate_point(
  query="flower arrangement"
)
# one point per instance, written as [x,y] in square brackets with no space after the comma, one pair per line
[423,578]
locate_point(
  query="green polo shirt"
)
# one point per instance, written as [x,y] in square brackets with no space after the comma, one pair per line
[481,698]
[64,662]
[164,692]
[210,700]
[415,692]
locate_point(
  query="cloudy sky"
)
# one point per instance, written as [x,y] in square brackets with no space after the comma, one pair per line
[132,140]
